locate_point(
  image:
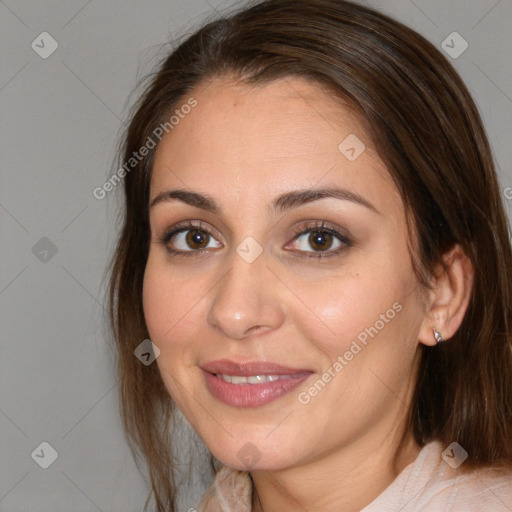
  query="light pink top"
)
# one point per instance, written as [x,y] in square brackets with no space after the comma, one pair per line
[428,484]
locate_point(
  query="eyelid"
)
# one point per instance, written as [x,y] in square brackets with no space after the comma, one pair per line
[312,225]
[185,226]
[304,228]
[326,227]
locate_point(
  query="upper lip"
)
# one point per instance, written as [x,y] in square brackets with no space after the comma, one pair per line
[247,368]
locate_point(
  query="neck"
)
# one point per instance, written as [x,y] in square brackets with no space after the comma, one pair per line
[347,479]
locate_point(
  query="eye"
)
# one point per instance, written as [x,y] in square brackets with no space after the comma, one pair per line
[313,240]
[320,241]
[189,238]
[193,239]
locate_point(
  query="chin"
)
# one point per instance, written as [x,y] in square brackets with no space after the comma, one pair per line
[258,454]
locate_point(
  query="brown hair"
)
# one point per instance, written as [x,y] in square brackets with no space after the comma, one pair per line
[428,132]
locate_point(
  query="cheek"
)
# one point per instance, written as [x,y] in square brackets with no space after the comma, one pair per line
[341,308]
[175,307]
[156,301]
[166,311]
[163,301]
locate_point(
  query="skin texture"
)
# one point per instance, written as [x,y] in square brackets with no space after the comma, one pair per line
[243,146]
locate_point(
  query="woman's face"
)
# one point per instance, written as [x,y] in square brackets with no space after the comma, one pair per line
[246,296]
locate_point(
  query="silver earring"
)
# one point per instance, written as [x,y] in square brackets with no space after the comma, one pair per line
[438,336]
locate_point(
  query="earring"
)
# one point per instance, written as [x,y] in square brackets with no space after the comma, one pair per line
[438,336]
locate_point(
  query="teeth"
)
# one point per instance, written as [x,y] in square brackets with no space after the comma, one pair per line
[251,379]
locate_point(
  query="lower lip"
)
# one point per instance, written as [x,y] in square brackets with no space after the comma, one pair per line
[251,395]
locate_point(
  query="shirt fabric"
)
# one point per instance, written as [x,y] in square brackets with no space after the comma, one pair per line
[429,484]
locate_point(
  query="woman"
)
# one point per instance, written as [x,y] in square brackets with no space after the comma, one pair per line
[315,244]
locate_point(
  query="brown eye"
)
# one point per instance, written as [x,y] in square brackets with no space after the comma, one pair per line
[197,239]
[316,240]
[320,240]
[189,239]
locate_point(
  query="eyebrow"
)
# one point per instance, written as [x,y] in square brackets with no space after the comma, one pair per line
[284,202]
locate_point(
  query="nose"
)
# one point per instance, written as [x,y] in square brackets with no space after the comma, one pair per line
[246,300]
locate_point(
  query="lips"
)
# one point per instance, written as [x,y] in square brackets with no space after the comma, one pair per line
[248,368]
[252,383]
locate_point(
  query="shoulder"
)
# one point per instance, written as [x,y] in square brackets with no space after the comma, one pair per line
[429,484]
[434,481]
[479,491]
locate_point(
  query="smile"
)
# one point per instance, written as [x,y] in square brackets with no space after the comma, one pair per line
[251,384]
[251,379]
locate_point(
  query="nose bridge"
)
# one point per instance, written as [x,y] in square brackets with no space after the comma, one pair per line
[245,298]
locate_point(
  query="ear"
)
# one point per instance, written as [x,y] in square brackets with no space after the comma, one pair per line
[449,298]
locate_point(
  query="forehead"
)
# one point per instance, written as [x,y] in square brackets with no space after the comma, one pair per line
[258,139]
[280,111]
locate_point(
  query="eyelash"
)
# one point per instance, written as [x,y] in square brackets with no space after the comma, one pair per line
[302,230]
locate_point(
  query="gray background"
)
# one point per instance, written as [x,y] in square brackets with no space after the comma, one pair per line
[61,118]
